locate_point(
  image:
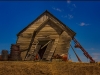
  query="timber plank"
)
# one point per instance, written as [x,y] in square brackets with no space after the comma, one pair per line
[47,33]
[23,43]
[48,49]
[23,40]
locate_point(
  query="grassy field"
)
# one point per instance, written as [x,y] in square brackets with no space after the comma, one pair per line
[48,68]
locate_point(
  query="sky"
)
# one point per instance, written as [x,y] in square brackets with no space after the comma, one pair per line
[83,17]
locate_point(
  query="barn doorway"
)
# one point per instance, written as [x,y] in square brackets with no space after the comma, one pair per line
[41,51]
[43,47]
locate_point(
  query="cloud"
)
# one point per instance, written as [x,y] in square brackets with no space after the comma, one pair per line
[96,56]
[71,7]
[83,24]
[68,1]
[70,16]
[91,49]
[74,5]
[57,9]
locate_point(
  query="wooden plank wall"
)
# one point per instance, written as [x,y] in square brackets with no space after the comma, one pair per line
[25,37]
[53,49]
[51,33]
[63,44]
[23,54]
[63,27]
[49,30]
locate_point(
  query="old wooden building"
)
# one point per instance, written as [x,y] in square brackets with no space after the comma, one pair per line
[45,36]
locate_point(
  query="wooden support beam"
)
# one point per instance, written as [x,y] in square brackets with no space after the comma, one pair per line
[45,44]
[34,34]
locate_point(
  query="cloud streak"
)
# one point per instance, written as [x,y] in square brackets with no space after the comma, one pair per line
[96,56]
[83,24]
[69,16]
[68,1]
[57,9]
[74,5]
[92,49]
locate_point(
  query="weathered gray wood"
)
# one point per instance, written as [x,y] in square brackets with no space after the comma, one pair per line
[32,40]
[46,26]
[23,44]
[32,53]
[36,50]
[52,49]
[64,44]
[23,54]
[45,44]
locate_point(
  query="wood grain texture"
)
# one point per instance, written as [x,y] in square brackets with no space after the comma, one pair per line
[64,44]
[23,54]
[50,29]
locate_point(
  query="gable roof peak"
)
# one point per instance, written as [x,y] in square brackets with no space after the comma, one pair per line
[47,12]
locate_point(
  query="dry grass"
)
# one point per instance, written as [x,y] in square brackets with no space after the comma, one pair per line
[48,68]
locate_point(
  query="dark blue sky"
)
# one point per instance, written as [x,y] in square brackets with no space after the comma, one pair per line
[82,17]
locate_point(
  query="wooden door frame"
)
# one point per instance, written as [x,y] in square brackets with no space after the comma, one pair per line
[44,39]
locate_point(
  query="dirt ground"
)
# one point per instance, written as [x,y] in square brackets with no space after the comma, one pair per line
[48,68]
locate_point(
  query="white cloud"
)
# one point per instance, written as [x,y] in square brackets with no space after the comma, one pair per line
[57,9]
[68,1]
[70,16]
[96,56]
[91,49]
[74,5]
[83,24]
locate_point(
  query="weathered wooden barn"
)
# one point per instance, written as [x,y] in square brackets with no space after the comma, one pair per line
[45,36]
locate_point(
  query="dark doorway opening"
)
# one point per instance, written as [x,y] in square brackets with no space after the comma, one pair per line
[41,51]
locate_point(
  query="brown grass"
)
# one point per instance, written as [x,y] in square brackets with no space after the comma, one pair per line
[48,68]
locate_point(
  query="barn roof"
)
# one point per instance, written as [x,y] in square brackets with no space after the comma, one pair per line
[66,27]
